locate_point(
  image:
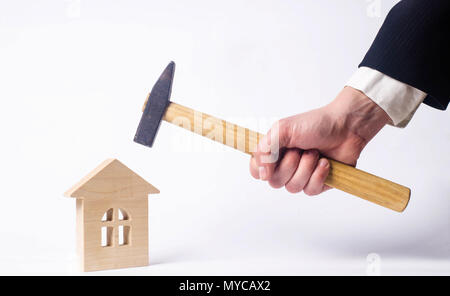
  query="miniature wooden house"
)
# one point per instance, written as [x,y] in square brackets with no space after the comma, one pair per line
[112,217]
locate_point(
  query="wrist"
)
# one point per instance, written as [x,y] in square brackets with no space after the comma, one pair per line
[358,114]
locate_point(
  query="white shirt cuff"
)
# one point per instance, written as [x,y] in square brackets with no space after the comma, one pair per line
[399,100]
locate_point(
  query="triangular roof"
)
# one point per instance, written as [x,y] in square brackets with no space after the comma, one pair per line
[111,179]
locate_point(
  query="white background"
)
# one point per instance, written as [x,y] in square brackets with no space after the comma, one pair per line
[74,75]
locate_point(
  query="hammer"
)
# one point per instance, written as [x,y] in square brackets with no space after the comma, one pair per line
[341,176]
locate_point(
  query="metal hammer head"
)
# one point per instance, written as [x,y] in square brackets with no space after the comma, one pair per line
[156,106]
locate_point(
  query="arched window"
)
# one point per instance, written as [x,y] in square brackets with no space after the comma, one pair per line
[122,215]
[108,215]
[115,221]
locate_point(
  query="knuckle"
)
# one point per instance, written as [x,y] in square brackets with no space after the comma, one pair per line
[307,192]
[258,156]
[292,158]
[253,170]
[275,184]
[313,154]
[293,188]
[254,174]
[310,191]
[282,125]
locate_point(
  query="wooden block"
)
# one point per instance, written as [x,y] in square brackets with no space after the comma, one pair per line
[112,217]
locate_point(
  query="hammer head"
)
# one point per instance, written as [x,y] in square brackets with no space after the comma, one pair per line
[156,106]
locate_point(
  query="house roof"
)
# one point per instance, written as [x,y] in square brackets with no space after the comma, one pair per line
[111,179]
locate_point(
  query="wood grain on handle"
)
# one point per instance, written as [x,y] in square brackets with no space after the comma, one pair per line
[214,128]
[343,177]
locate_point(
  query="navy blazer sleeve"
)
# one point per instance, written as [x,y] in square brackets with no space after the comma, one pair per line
[413,47]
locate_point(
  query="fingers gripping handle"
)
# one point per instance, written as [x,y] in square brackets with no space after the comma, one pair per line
[343,177]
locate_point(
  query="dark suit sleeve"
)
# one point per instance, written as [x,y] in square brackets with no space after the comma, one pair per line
[412,46]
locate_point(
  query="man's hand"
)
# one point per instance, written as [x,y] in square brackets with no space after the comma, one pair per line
[339,131]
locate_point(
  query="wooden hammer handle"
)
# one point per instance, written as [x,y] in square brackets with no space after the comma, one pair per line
[343,177]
